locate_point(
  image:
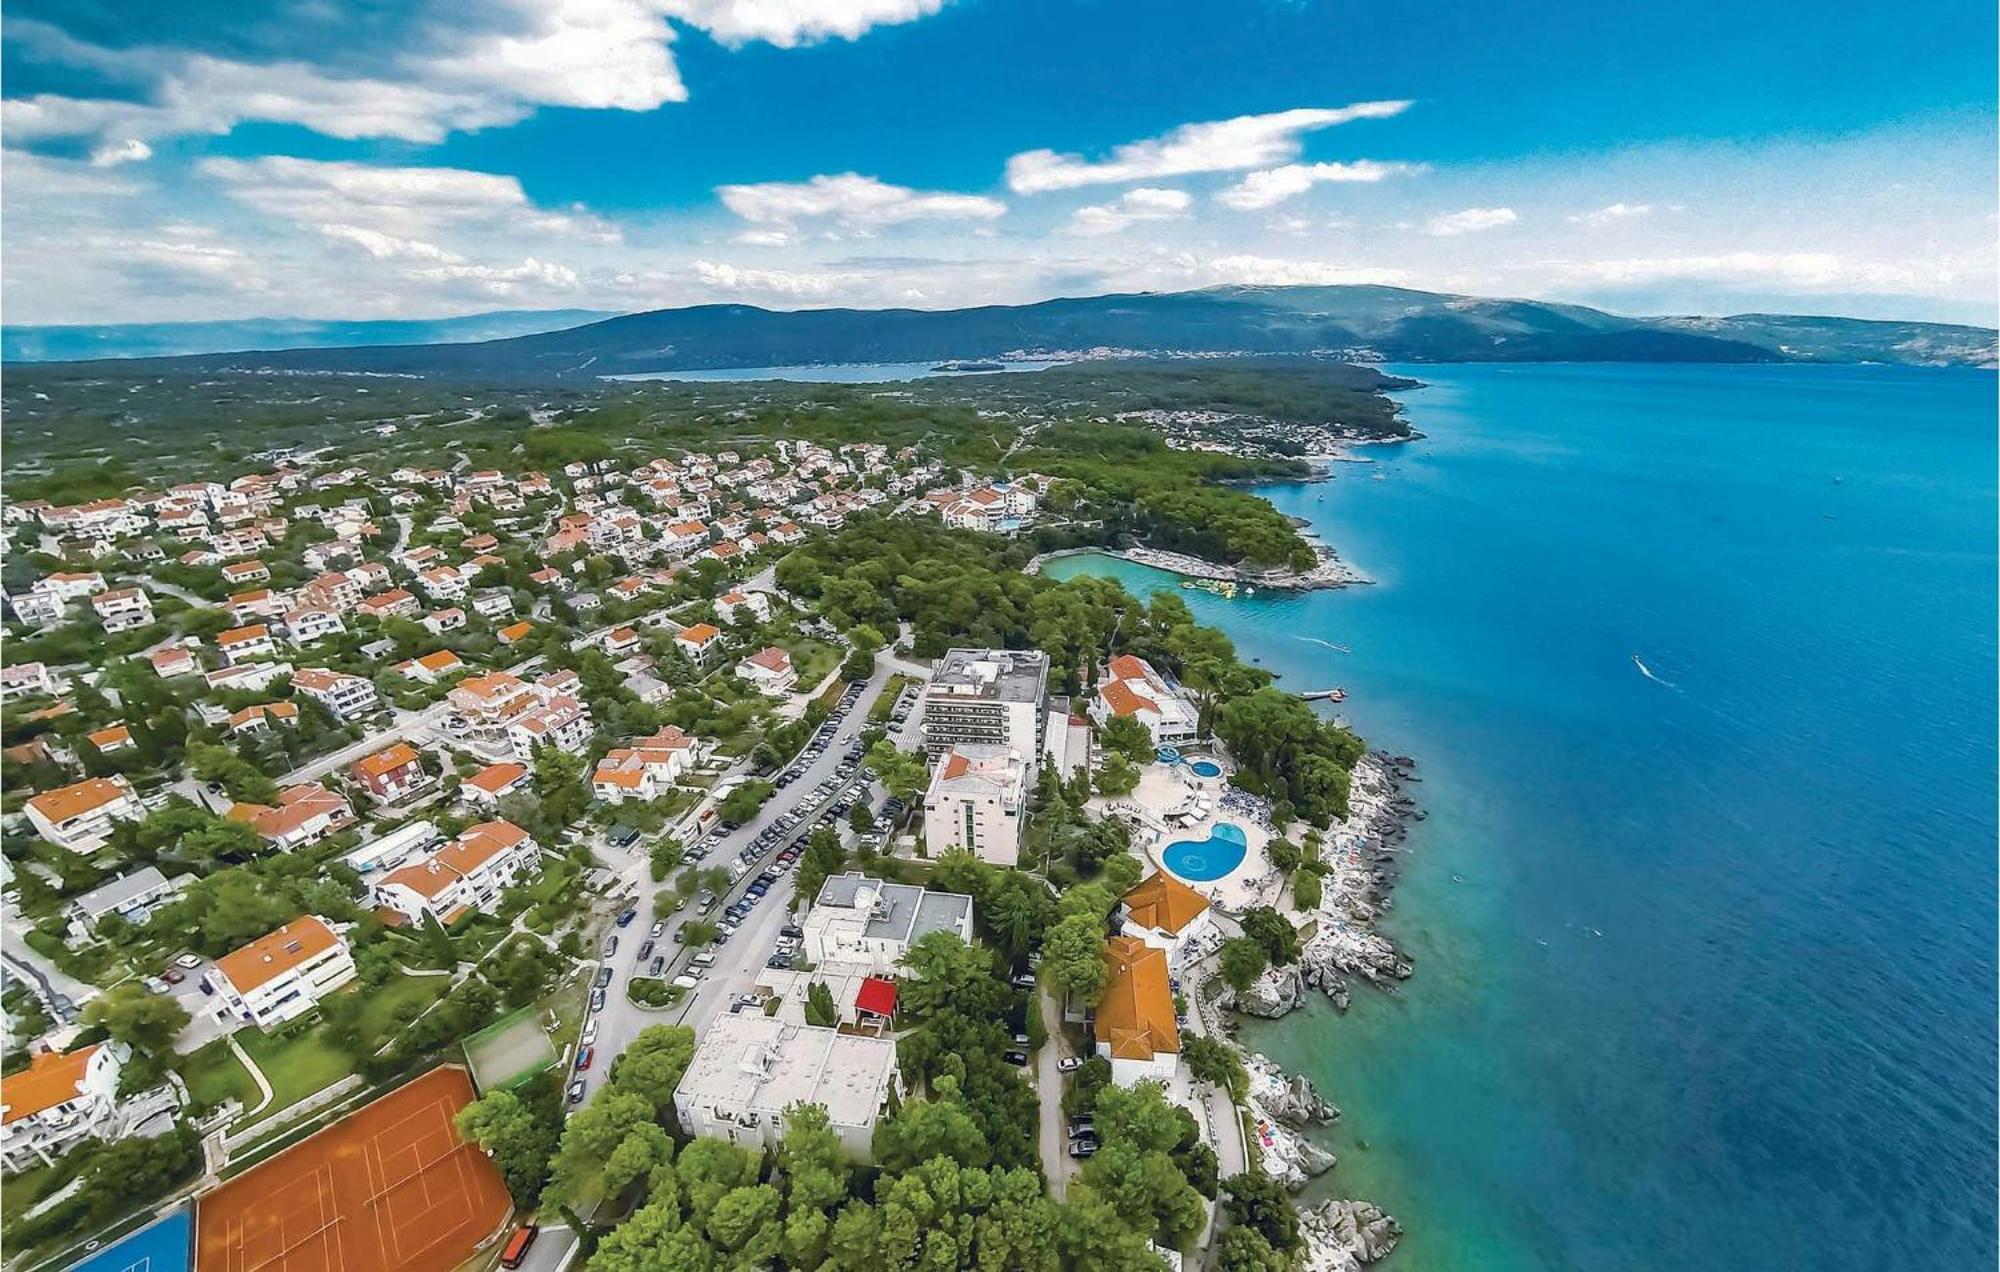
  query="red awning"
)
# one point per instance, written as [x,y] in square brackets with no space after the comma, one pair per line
[877,997]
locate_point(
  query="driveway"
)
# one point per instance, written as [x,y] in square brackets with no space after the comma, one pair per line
[739,962]
[1053,1140]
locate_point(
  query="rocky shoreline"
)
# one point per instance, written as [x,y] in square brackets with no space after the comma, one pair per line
[1329,572]
[1361,854]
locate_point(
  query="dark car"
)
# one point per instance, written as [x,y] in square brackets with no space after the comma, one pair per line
[792,930]
[658,965]
[1082,1148]
[1015,1057]
[173,977]
[603,977]
[625,919]
[645,952]
[576,1090]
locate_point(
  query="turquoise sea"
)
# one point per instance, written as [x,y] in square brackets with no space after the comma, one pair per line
[1705,961]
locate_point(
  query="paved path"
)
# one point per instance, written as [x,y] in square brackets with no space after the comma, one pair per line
[1057,1165]
[257,1076]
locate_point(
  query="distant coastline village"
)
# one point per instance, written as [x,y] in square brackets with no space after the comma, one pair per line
[655,803]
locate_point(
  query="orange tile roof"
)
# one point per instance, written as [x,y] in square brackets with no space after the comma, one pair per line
[238,635]
[113,735]
[478,845]
[442,660]
[515,631]
[50,1079]
[1122,700]
[425,878]
[773,658]
[1135,1016]
[386,760]
[495,778]
[700,633]
[1164,903]
[1130,667]
[78,798]
[271,956]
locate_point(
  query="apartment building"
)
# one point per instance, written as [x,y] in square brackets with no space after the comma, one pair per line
[79,816]
[59,1101]
[750,1070]
[977,800]
[347,697]
[122,609]
[393,773]
[303,815]
[988,697]
[1132,688]
[284,974]
[647,768]
[466,875]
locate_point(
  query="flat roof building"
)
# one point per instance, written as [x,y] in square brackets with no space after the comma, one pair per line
[988,697]
[751,1069]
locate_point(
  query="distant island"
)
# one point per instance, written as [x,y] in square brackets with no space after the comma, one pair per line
[1336,324]
[974,365]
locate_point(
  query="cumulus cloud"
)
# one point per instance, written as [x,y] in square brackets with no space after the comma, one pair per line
[1147,203]
[1470,221]
[1611,214]
[789,23]
[853,200]
[386,247]
[113,153]
[529,277]
[1272,186]
[1228,145]
[408,202]
[452,67]
[778,282]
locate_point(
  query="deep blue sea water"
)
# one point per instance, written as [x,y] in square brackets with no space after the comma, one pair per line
[1705,968]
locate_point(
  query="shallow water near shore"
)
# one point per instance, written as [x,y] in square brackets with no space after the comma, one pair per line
[1705,957]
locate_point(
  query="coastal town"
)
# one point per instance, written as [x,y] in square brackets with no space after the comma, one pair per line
[747,814]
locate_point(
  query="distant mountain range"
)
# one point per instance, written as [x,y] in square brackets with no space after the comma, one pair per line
[1353,323]
[167,339]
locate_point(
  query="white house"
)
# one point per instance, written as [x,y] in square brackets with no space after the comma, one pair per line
[646,769]
[132,897]
[303,815]
[738,607]
[1134,689]
[79,816]
[494,783]
[871,924]
[977,800]
[750,1070]
[284,974]
[1134,1026]
[123,608]
[239,645]
[1167,915]
[466,875]
[769,671]
[347,697]
[309,623]
[59,1101]
[561,722]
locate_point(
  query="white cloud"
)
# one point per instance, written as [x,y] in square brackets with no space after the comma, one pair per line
[1228,145]
[455,67]
[529,277]
[1146,203]
[1470,221]
[1273,186]
[725,277]
[789,23]
[113,153]
[408,202]
[764,238]
[387,247]
[852,200]
[1804,270]
[1277,272]
[1611,214]
[29,176]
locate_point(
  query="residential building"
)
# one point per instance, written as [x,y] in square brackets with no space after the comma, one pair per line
[466,875]
[990,697]
[432,667]
[865,922]
[132,897]
[175,660]
[261,716]
[700,642]
[239,645]
[743,607]
[1135,1026]
[978,799]
[1132,688]
[79,816]
[59,1101]
[490,702]
[30,678]
[393,773]
[303,815]
[309,623]
[645,769]
[750,1070]
[123,608]
[560,722]
[347,697]
[284,974]
[494,783]
[769,671]
[1169,916]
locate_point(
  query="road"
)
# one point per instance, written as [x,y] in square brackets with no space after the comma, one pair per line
[1053,1140]
[739,962]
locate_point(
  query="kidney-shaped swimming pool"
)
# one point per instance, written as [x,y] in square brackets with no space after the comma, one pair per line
[1202,860]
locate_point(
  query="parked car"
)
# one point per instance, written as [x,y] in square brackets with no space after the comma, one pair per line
[589,1034]
[603,977]
[645,952]
[1081,1149]
[1069,1064]
[1015,1057]
[625,919]
[173,976]
[597,1000]
[189,961]
[659,928]
[610,946]
[584,1057]
[576,1091]
[658,965]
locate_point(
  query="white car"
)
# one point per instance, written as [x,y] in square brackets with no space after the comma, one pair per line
[589,1034]
[1069,1064]
[189,961]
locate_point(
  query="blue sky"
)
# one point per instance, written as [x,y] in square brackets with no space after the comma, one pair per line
[352,160]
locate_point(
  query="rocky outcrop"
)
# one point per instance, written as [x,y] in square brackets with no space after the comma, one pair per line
[1276,992]
[1342,1236]
[1291,1099]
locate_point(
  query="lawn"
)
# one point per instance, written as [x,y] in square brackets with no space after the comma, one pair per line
[812,658]
[214,1074]
[296,1066]
[396,1002]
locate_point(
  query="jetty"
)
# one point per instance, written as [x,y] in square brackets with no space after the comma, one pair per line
[1335,694]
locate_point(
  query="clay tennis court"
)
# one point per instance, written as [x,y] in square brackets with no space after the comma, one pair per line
[389,1188]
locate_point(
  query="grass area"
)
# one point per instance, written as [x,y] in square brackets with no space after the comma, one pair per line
[214,1074]
[27,1187]
[812,658]
[396,1003]
[885,705]
[296,1066]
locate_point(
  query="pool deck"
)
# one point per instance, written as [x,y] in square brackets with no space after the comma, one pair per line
[1156,811]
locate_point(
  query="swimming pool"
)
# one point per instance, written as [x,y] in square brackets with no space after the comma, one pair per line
[1205,768]
[1202,860]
